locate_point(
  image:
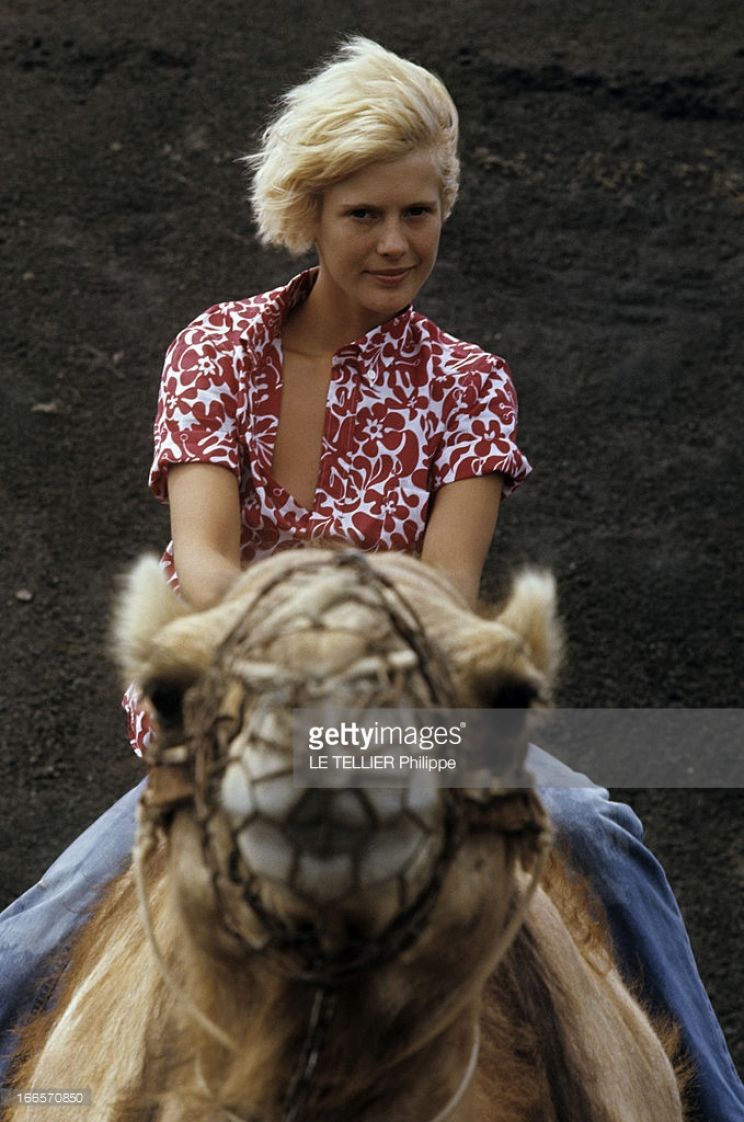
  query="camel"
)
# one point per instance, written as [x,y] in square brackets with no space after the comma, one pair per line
[277,954]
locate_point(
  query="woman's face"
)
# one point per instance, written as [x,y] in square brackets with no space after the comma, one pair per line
[377,237]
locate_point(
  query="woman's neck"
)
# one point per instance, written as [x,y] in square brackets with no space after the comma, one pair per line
[324,322]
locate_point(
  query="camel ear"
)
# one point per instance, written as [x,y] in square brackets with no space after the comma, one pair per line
[510,660]
[155,635]
[161,644]
[531,612]
[145,605]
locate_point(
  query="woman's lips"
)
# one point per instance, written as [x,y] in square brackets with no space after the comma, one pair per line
[390,277]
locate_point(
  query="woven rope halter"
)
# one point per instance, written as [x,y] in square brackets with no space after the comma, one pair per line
[245,693]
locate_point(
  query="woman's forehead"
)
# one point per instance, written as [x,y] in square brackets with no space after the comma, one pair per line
[414,176]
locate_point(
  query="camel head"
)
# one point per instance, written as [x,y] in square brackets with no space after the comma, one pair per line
[325,874]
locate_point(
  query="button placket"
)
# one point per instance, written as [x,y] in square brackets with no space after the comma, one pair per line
[351,369]
[339,403]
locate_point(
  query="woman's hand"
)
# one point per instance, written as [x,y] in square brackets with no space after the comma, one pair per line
[205,525]
[460,530]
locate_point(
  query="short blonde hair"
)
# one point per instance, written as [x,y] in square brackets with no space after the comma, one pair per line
[366,104]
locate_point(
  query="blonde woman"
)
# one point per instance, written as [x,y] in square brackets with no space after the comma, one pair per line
[329,409]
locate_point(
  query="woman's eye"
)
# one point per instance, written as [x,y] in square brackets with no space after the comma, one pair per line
[419,211]
[361,213]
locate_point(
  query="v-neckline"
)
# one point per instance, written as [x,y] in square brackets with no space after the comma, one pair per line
[303,510]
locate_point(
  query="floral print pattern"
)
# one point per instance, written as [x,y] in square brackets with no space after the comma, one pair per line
[409,409]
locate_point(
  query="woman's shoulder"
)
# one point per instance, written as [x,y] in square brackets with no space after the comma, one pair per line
[452,357]
[229,317]
[252,318]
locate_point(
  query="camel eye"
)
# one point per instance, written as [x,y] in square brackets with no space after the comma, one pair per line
[167,699]
[514,693]
[505,691]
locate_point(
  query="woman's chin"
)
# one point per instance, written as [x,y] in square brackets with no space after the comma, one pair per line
[384,300]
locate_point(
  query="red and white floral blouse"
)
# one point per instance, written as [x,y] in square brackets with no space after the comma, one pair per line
[409,409]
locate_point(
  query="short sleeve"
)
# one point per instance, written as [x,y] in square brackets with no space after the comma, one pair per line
[199,401]
[481,429]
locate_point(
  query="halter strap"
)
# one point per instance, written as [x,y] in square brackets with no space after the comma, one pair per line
[464,1082]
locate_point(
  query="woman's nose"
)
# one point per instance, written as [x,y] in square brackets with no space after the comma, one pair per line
[392,241]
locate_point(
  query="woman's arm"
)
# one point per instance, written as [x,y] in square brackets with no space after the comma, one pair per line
[205,525]
[460,530]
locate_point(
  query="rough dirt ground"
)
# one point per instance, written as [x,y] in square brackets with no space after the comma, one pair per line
[597,245]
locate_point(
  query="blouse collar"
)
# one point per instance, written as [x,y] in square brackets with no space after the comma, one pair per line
[366,347]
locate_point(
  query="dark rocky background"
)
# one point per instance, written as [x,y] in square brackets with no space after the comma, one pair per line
[597,245]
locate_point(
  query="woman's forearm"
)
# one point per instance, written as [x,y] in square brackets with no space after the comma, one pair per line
[204,575]
[460,529]
[205,524]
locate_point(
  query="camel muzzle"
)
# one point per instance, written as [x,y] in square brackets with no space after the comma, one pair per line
[327,846]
